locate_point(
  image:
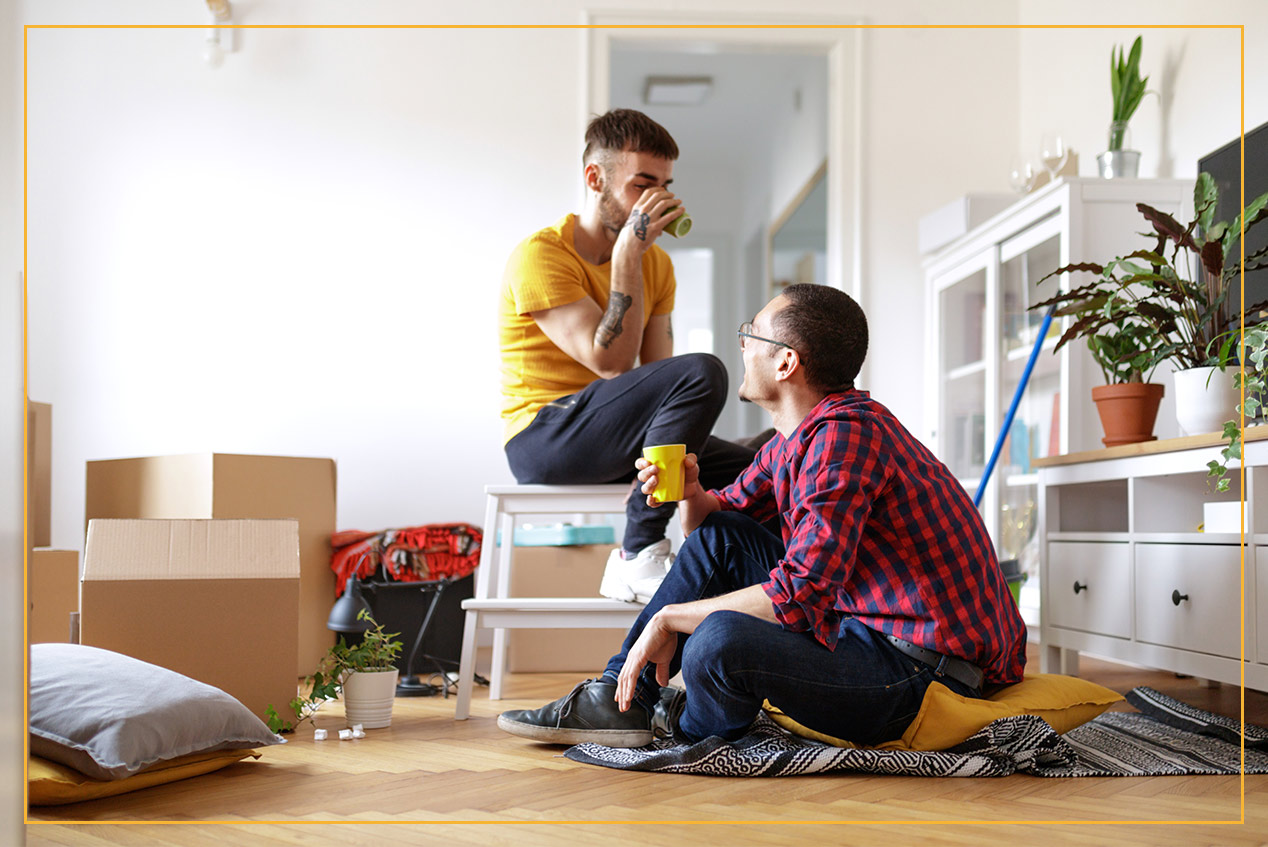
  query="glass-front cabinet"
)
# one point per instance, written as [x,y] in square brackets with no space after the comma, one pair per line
[982,333]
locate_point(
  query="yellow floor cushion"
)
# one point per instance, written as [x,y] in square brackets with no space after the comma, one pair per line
[946,718]
[53,784]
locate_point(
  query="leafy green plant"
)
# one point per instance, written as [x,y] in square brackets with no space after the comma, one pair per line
[1177,291]
[1126,350]
[1127,87]
[1251,379]
[377,651]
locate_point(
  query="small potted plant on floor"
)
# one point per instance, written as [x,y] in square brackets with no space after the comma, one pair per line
[364,673]
[1178,290]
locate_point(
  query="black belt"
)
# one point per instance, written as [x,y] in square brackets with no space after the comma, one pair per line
[943,665]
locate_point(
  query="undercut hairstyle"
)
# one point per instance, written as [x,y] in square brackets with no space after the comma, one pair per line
[829,332]
[626,129]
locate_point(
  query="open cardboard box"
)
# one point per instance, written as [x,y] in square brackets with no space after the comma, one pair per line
[216,600]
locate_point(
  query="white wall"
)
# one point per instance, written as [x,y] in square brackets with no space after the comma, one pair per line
[298,253]
[1195,72]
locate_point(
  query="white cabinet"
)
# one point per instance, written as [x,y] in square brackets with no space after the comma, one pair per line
[1127,573]
[981,334]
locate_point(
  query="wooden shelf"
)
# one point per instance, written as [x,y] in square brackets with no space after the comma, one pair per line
[1149,448]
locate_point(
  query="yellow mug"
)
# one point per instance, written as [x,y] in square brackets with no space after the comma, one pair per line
[669,471]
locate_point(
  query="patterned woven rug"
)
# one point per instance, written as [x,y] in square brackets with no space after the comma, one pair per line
[1165,738]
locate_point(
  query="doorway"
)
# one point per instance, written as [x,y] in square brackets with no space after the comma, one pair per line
[753,122]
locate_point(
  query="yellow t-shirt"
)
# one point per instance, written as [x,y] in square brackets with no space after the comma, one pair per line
[546,271]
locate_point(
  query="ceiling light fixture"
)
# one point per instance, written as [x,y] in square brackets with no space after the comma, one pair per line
[676,90]
[219,37]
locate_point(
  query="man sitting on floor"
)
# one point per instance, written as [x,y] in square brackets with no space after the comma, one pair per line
[885,579]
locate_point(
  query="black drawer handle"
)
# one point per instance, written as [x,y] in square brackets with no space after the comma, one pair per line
[1079,586]
[1176,597]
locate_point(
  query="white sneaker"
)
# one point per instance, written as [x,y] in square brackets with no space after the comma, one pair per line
[636,580]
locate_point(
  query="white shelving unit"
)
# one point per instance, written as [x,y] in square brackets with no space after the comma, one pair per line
[1127,574]
[979,288]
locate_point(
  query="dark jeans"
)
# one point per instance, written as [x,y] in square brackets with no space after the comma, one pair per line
[594,436]
[864,690]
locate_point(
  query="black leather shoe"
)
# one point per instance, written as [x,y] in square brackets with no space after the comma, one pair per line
[668,710]
[587,714]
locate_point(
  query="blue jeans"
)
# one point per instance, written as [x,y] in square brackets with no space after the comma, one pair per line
[594,436]
[865,690]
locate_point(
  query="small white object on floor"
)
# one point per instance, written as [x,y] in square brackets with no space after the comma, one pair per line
[358,732]
[345,734]
[319,735]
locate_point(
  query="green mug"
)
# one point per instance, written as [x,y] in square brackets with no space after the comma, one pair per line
[680,225]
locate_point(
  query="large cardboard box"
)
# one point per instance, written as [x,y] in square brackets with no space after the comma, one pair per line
[52,593]
[39,463]
[560,572]
[216,600]
[225,486]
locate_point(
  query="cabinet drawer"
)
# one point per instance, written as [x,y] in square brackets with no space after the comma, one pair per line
[1101,572]
[1209,621]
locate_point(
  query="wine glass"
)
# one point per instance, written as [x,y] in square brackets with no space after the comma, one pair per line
[1052,153]
[1021,174]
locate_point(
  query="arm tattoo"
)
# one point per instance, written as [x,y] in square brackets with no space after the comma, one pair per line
[639,221]
[610,327]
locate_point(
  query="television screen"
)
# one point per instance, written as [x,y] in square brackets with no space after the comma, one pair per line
[1225,167]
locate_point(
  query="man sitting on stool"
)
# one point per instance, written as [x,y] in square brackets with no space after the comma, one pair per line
[885,579]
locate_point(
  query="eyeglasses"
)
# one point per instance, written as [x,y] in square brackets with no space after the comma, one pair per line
[746,331]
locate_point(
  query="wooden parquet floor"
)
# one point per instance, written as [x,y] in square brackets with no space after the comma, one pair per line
[428,779]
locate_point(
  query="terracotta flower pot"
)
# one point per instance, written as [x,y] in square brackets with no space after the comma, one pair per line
[1127,411]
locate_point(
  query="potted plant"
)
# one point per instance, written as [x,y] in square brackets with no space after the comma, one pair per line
[1127,87]
[1127,351]
[364,673]
[1178,292]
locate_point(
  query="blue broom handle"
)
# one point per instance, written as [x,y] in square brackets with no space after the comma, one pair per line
[1012,407]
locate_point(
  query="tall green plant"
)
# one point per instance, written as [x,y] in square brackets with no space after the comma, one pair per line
[1179,288]
[1127,87]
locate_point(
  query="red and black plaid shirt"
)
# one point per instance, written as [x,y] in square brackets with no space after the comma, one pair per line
[876,528]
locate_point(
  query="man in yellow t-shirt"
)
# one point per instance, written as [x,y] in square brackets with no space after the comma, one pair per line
[588,375]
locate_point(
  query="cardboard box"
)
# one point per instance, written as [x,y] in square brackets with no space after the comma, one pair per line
[216,600]
[560,572]
[52,593]
[39,463]
[223,486]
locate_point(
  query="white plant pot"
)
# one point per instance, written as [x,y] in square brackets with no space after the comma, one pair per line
[1205,399]
[368,696]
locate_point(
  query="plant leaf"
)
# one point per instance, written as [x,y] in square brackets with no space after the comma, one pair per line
[1213,258]
[1167,226]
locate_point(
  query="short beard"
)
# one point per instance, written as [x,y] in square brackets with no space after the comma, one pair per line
[611,216]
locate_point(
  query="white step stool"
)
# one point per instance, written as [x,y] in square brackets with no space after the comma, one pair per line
[493,608]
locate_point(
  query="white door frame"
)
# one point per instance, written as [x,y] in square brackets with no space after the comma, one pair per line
[842,43]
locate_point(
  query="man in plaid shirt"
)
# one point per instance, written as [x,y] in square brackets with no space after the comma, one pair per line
[884,581]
